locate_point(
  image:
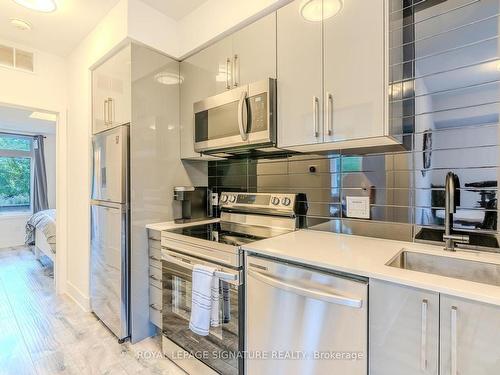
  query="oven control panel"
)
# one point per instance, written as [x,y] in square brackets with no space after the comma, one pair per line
[269,201]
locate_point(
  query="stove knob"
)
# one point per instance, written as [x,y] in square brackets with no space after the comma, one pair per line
[286,201]
[232,198]
[223,198]
[275,201]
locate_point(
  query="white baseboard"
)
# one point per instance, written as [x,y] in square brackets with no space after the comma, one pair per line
[77,296]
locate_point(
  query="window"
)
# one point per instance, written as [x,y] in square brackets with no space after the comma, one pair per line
[352,164]
[16,153]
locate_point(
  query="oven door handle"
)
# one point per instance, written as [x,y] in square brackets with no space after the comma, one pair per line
[243,116]
[225,276]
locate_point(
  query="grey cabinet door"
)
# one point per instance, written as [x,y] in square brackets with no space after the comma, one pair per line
[299,70]
[404,330]
[470,339]
[254,52]
[111,91]
[354,71]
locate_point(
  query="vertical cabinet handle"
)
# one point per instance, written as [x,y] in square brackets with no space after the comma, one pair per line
[315,108]
[453,339]
[228,68]
[106,112]
[236,71]
[329,113]
[111,105]
[423,340]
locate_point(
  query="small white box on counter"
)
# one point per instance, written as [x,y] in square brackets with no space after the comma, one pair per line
[358,207]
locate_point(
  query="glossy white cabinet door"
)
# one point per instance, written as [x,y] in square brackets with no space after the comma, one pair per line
[470,337]
[299,70]
[99,101]
[254,51]
[354,72]
[111,91]
[211,69]
[404,330]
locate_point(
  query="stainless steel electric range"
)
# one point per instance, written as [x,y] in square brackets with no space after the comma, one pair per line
[245,217]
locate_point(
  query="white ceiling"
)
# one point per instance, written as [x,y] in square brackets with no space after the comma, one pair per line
[18,120]
[58,32]
[175,9]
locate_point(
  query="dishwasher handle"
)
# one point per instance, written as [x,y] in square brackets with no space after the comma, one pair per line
[315,294]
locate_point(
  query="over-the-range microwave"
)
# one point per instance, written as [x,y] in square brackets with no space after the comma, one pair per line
[237,120]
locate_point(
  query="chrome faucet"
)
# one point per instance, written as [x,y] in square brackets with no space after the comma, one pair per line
[450,208]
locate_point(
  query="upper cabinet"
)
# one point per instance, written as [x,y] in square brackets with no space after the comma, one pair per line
[354,71]
[254,52]
[111,88]
[300,78]
[247,56]
[332,81]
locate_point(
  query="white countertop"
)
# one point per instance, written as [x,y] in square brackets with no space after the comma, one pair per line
[367,257]
[171,224]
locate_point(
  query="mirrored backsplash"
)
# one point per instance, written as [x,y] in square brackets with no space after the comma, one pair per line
[406,189]
[444,97]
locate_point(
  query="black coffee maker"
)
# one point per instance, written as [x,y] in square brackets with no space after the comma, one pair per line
[191,203]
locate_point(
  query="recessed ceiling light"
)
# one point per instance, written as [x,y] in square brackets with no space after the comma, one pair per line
[20,24]
[167,78]
[46,116]
[318,10]
[38,5]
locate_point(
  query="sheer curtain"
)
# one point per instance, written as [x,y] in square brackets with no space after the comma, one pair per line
[40,198]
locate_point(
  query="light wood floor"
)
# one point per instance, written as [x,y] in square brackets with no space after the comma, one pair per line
[42,333]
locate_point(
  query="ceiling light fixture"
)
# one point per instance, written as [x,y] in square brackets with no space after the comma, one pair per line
[46,116]
[20,24]
[318,10]
[167,78]
[46,6]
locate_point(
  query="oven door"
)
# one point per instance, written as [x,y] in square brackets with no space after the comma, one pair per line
[238,118]
[219,350]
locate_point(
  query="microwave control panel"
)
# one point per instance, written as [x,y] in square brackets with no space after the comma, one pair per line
[258,112]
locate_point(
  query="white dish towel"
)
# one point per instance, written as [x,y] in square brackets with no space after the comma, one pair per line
[204,300]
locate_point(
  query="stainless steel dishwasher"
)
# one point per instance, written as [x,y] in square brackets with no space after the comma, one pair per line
[301,320]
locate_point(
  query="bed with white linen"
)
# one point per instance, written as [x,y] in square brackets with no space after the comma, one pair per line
[41,232]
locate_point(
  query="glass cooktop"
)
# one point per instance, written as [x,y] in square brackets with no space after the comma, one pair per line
[229,233]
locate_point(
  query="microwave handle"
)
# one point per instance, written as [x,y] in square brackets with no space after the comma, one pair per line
[243,116]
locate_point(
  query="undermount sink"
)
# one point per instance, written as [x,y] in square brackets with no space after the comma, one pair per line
[480,272]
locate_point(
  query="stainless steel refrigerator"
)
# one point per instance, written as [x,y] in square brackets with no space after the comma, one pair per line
[110,249]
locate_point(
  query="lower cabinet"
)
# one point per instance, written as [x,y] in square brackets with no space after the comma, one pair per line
[470,337]
[415,331]
[404,330]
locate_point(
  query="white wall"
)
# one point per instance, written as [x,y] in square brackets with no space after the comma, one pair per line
[152,28]
[218,17]
[212,20]
[12,230]
[45,89]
